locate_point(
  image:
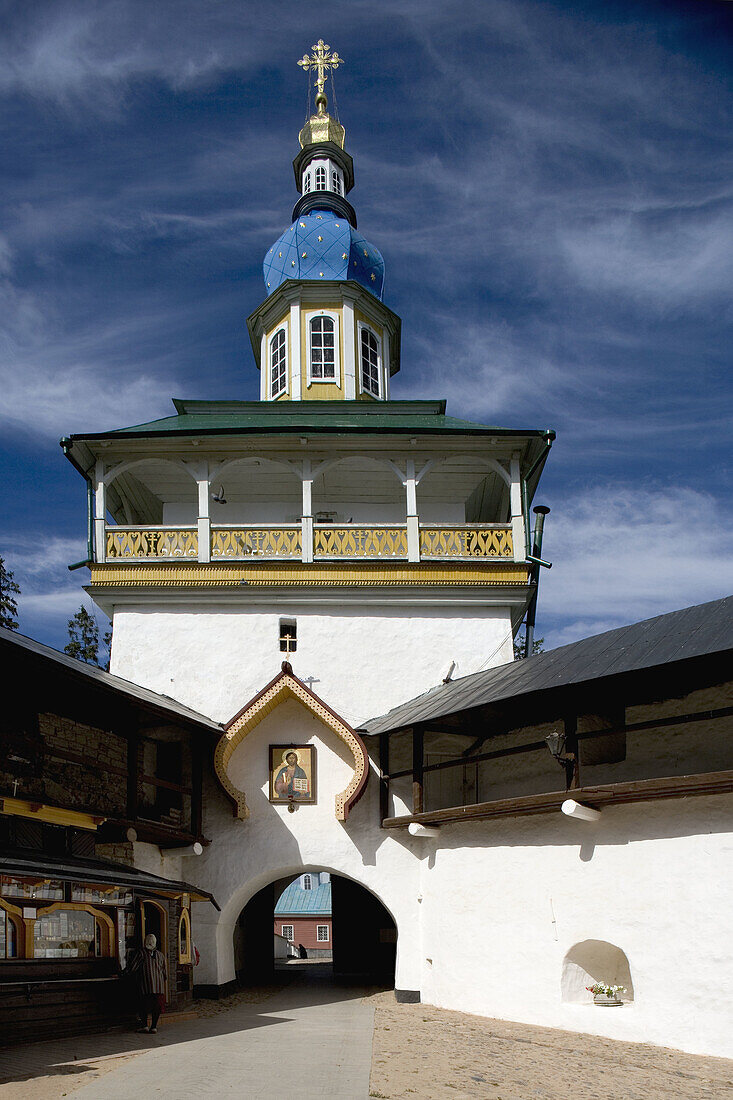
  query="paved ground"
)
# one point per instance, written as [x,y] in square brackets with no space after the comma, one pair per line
[312,1039]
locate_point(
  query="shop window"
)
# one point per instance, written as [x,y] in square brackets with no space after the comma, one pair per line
[66,934]
[32,889]
[10,935]
[322,933]
[184,937]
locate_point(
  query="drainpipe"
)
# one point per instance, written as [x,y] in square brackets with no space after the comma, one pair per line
[66,446]
[540,461]
[540,512]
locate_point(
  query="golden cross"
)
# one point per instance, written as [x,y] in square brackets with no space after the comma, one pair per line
[321,60]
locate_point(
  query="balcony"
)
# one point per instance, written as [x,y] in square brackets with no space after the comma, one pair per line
[308,542]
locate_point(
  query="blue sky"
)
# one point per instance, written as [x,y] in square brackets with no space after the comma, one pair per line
[550,186]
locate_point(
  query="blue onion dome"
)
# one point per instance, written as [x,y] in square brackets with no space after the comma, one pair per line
[323,245]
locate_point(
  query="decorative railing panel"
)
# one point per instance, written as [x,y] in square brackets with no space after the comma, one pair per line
[466,542]
[152,542]
[360,542]
[255,542]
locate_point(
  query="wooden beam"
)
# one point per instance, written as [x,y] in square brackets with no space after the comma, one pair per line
[383,776]
[418,742]
[572,765]
[639,790]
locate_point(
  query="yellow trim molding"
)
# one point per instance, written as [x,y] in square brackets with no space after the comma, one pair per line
[318,574]
[287,686]
[53,815]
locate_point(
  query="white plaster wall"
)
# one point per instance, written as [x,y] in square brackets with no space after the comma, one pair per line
[273,844]
[504,901]
[365,659]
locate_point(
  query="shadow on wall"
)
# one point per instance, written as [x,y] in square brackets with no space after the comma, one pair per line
[594,961]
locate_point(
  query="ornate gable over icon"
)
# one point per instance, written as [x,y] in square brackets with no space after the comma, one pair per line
[286,685]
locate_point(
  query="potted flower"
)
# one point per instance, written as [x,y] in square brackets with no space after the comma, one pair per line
[605,994]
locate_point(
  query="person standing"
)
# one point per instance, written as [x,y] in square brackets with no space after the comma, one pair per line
[149,969]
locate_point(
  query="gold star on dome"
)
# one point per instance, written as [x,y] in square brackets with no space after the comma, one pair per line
[337,225]
[319,217]
[302,225]
[366,253]
[373,277]
[344,256]
[280,254]
[292,263]
[320,273]
[320,238]
[304,254]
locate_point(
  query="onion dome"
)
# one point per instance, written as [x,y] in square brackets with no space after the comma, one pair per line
[323,245]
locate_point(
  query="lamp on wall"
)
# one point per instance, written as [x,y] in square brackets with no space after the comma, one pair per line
[556,744]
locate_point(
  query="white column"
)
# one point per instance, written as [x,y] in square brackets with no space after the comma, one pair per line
[413,526]
[264,368]
[204,522]
[515,497]
[100,512]
[307,518]
[295,366]
[349,351]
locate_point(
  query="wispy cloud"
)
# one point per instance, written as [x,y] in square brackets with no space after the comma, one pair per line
[622,553]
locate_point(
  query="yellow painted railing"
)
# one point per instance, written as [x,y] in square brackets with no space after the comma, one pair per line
[152,542]
[255,542]
[469,541]
[360,542]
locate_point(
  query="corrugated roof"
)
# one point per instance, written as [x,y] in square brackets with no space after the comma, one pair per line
[693,632]
[251,417]
[108,680]
[294,899]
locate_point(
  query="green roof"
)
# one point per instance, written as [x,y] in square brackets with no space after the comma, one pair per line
[255,417]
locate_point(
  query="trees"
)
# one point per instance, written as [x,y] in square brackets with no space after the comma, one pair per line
[8,606]
[83,640]
[538,646]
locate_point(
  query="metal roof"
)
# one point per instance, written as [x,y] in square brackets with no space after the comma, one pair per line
[294,899]
[98,872]
[693,632]
[252,417]
[106,680]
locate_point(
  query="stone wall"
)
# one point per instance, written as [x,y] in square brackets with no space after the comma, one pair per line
[99,781]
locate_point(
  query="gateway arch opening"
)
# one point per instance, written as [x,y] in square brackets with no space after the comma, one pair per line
[315,925]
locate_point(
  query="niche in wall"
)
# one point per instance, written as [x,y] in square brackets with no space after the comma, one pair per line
[594,961]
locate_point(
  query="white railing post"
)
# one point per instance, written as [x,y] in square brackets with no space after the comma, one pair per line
[204,519]
[307,517]
[413,524]
[100,512]
[515,497]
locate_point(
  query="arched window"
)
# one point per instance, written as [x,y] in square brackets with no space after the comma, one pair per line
[184,937]
[307,882]
[369,362]
[69,930]
[278,364]
[336,182]
[322,348]
[306,183]
[320,178]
